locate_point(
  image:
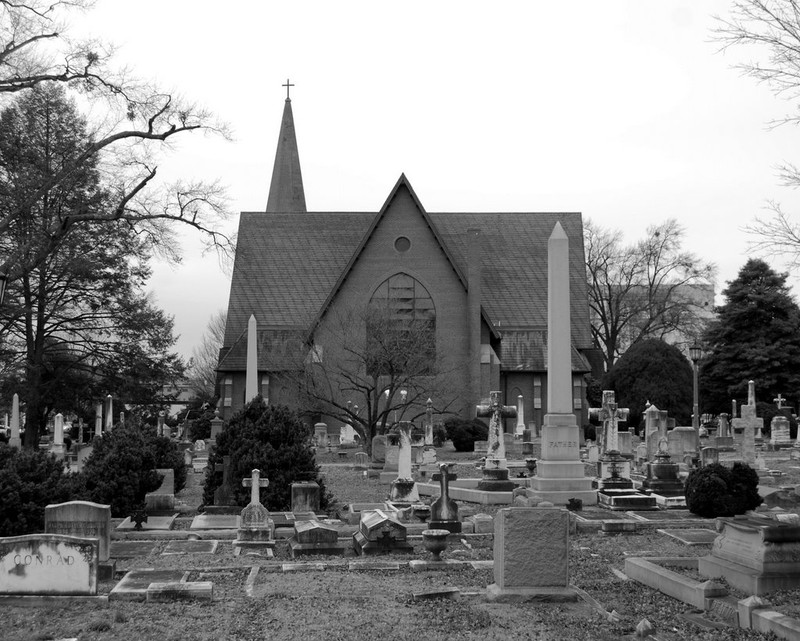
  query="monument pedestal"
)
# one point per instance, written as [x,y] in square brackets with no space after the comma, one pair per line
[495,477]
[560,472]
[755,555]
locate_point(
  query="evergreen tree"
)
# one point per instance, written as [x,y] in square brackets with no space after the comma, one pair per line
[756,336]
[654,371]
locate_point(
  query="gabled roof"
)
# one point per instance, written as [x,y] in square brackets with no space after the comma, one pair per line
[402,183]
[288,266]
[286,189]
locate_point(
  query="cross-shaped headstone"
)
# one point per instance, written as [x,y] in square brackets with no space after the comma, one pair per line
[287,85]
[254,483]
[611,415]
[496,448]
[779,400]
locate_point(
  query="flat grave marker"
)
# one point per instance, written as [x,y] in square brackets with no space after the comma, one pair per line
[191,547]
[133,586]
[215,522]
[131,549]
[152,523]
[692,536]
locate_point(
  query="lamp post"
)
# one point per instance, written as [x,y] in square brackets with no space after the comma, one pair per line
[3,279]
[694,356]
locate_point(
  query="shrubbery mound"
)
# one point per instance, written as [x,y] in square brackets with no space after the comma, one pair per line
[272,439]
[716,490]
[465,433]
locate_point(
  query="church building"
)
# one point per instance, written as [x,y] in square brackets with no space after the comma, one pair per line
[475,282]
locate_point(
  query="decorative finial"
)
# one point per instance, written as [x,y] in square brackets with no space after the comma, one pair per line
[287,85]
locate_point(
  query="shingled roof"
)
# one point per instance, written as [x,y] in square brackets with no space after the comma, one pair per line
[287,264]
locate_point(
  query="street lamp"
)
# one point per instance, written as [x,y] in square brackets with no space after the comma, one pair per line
[3,279]
[694,356]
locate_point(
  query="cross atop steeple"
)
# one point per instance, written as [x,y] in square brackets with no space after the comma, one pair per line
[287,85]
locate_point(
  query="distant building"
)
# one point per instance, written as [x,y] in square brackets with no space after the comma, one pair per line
[477,280]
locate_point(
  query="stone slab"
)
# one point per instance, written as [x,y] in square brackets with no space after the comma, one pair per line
[215,522]
[445,564]
[152,523]
[167,592]
[691,536]
[191,547]
[650,572]
[133,586]
[131,549]
[83,519]
[516,529]
[380,566]
[303,567]
[663,515]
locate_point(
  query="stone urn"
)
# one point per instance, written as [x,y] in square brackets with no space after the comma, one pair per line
[435,541]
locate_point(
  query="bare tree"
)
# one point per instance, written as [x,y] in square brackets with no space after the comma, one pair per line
[642,290]
[202,369]
[772,27]
[140,120]
[370,370]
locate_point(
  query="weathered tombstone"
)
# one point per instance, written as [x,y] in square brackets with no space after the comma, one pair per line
[321,434]
[651,415]
[379,533]
[224,502]
[724,439]
[779,432]
[255,526]
[390,464]
[517,572]
[58,436]
[305,497]
[378,451]
[495,468]
[709,456]
[361,461]
[48,564]
[347,435]
[312,537]
[81,519]
[749,423]
[593,453]
[444,510]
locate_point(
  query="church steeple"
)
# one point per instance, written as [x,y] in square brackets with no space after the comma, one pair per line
[286,190]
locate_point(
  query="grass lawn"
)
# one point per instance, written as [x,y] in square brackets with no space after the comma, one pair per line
[338,603]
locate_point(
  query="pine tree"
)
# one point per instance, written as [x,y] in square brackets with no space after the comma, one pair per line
[756,336]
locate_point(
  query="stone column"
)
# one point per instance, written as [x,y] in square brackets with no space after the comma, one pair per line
[109,413]
[520,418]
[58,435]
[98,419]
[560,474]
[251,375]
[15,440]
[651,431]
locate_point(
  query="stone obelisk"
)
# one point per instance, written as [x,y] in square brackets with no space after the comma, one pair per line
[15,440]
[251,376]
[560,475]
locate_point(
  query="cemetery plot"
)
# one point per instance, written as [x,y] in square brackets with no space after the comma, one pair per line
[133,586]
[228,582]
[152,523]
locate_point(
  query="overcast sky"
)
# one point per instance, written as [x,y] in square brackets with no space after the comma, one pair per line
[624,111]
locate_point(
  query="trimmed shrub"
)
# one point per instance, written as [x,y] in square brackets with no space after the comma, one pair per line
[122,467]
[276,441]
[715,490]
[463,433]
[29,481]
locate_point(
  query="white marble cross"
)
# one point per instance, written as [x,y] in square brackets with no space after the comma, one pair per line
[779,400]
[610,414]
[254,483]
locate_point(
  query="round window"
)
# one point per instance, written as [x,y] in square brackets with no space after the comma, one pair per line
[402,244]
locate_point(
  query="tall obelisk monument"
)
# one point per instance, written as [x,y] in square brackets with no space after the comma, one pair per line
[559,472]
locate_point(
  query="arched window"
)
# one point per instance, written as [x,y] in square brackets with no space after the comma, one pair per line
[401,328]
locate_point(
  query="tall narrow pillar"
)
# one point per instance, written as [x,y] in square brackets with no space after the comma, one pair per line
[251,376]
[560,475]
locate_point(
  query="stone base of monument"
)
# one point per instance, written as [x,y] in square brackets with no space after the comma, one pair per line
[454,527]
[257,548]
[379,533]
[560,481]
[666,502]
[496,594]
[404,491]
[622,500]
[495,477]
[755,555]
[724,443]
